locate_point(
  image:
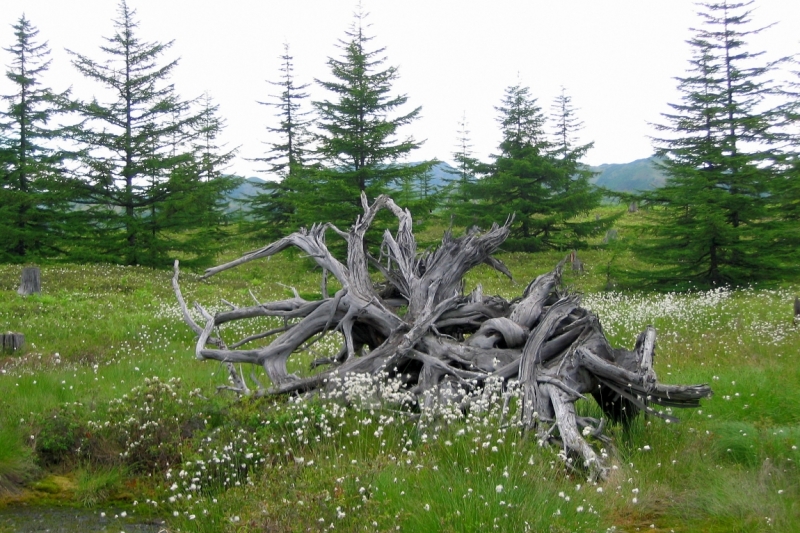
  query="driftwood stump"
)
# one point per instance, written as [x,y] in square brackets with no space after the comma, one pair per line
[11,342]
[419,331]
[31,281]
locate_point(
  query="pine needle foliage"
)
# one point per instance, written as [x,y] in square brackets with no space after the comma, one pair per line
[717,220]
[33,202]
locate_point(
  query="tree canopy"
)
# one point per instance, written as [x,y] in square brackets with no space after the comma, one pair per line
[140,181]
[33,205]
[716,221]
[537,179]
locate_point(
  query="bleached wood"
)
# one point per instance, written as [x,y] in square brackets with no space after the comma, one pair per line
[11,342]
[31,282]
[416,325]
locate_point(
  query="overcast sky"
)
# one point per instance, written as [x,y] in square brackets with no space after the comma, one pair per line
[616,58]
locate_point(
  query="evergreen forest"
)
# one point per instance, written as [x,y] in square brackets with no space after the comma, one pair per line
[140,176]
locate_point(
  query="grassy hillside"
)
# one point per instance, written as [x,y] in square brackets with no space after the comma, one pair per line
[109,397]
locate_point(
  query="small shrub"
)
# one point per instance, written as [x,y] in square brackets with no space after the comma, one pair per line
[149,423]
[59,438]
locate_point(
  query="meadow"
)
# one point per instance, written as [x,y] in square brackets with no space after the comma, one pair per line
[108,406]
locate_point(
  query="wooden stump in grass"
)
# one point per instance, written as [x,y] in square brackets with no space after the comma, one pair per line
[12,342]
[31,281]
[421,335]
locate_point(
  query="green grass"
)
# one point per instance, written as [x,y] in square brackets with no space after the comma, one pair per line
[94,487]
[82,400]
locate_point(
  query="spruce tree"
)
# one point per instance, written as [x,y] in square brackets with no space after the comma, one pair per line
[212,159]
[531,179]
[189,218]
[715,221]
[292,151]
[33,205]
[272,209]
[464,172]
[358,144]
[788,184]
[579,195]
[139,161]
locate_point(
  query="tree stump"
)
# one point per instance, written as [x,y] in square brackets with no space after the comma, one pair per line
[417,332]
[633,207]
[31,281]
[577,264]
[796,309]
[12,342]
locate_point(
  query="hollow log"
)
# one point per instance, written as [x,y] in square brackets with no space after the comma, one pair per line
[419,333]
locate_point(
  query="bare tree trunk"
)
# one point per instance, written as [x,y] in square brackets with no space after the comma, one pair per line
[417,331]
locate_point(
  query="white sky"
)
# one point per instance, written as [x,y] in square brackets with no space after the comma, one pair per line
[616,58]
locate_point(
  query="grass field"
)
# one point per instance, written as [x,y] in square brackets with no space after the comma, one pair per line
[109,396]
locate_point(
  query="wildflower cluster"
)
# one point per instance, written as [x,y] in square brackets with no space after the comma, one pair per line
[695,313]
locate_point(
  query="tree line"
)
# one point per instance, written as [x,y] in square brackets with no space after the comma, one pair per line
[140,176]
[130,177]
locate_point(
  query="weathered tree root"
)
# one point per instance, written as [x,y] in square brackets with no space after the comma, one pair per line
[448,343]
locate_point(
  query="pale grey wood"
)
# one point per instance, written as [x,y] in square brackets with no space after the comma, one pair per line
[418,326]
[11,342]
[31,282]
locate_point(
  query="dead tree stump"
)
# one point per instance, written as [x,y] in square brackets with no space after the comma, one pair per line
[12,342]
[611,235]
[633,207]
[31,281]
[417,331]
[796,309]
[577,264]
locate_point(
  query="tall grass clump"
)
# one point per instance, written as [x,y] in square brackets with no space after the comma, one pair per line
[16,461]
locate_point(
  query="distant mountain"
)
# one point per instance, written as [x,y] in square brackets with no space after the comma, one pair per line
[639,175]
[249,187]
[441,175]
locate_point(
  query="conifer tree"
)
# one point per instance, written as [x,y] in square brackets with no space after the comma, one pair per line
[579,193]
[213,158]
[788,184]
[533,180]
[464,173]
[288,159]
[291,152]
[205,203]
[358,144]
[715,221]
[139,158]
[33,206]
